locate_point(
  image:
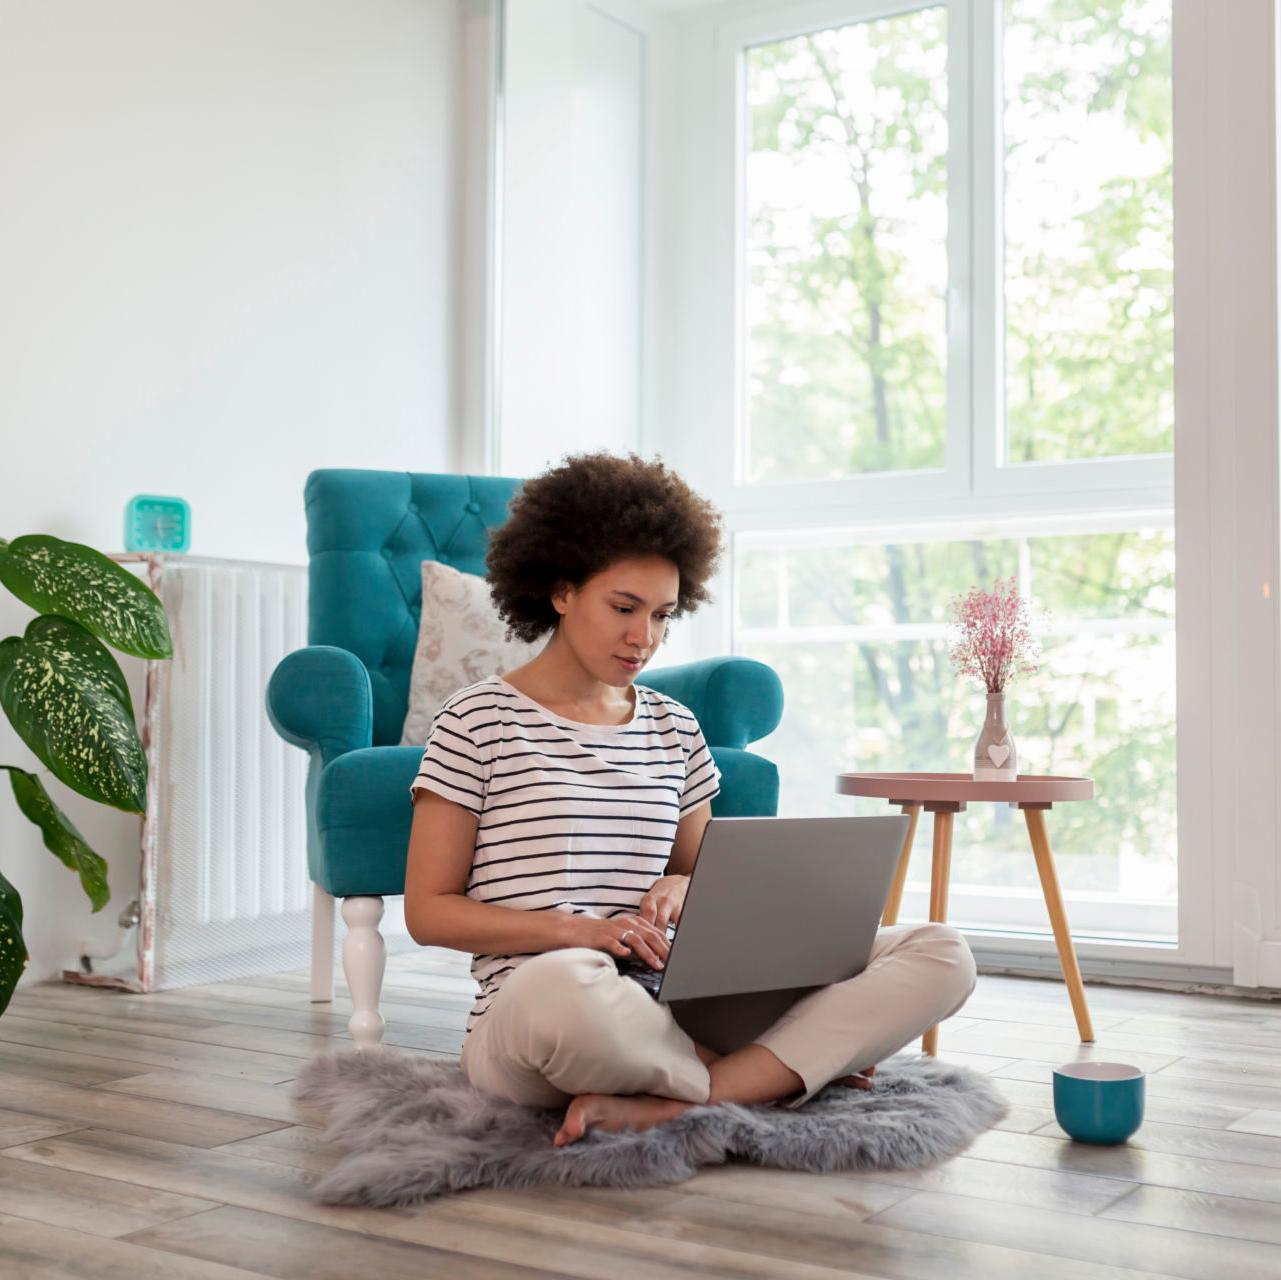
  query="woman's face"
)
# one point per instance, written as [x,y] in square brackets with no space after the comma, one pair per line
[615,621]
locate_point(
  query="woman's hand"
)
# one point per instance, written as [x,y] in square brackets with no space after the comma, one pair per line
[664,901]
[622,936]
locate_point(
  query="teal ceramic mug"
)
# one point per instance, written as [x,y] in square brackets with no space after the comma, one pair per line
[1098,1102]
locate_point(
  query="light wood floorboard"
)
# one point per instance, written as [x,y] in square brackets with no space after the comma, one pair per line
[153,1136]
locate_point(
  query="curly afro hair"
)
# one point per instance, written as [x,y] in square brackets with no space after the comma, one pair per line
[593,510]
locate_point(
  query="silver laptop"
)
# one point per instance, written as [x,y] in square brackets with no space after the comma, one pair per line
[776,907]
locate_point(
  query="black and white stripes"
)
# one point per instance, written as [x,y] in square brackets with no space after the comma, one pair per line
[573,817]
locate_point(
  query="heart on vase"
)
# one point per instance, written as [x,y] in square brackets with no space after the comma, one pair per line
[998,755]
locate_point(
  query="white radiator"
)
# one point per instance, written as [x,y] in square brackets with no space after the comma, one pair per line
[225,841]
[223,889]
[223,886]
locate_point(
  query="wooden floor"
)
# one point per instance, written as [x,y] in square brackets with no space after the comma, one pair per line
[152,1136]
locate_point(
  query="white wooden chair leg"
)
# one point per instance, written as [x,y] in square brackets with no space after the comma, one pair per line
[322,946]
[364,957]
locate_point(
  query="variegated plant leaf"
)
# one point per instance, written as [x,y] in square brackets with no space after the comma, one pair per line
[77,582]
[69,641]
[60,835]
[66,696]
[13,950]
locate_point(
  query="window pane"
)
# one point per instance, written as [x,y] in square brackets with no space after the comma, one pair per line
[846,214]
[861,646]
[1089,229]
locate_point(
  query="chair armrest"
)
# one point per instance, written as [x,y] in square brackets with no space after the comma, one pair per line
[749,784]
[734,700]
[319,698]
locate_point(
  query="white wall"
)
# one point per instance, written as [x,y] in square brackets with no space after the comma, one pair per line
[227,256]
[572,259]
[589,129]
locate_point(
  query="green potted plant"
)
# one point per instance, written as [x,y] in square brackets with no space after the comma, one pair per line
[65,695]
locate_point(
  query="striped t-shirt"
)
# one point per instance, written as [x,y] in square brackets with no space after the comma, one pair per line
[573,817]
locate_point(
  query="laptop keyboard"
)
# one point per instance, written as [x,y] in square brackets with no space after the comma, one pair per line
[650,979]
[638,971]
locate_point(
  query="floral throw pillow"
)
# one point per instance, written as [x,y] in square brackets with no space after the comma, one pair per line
[461,639]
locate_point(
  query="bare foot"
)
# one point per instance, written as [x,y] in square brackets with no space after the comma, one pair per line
[707,1056]
[612,1113]
[863,1080]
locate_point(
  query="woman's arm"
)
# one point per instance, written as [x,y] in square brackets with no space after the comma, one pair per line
[689,835]
[666,897]
[442,844]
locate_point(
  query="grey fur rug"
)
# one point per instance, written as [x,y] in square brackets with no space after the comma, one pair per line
[413,1128]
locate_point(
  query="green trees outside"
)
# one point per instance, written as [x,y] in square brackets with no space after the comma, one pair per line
[1089,261]
[859,636]
[847,370]
[847,254]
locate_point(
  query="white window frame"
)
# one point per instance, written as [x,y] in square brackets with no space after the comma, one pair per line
[701,401]
[973,478]
[991,476]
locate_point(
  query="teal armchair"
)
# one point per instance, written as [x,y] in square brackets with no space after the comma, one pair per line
[344,698]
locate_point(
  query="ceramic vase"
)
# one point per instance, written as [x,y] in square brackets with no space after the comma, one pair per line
[995,758]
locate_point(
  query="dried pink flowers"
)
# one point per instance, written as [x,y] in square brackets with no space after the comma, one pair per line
[995,640]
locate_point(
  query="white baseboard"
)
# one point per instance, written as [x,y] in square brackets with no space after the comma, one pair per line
[1201,979]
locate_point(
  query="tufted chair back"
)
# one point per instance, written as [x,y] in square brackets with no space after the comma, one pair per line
[368,533]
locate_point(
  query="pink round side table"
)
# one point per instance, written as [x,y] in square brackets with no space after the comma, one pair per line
[946,794]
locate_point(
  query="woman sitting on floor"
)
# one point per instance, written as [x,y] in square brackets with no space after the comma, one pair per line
[558,811]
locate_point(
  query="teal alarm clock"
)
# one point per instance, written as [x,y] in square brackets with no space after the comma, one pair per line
[153,523]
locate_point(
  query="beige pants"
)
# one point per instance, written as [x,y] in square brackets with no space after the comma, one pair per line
[567,1023]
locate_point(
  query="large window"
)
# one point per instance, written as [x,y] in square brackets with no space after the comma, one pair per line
[847,249]
[1089,244]
[858,631]
[956,289]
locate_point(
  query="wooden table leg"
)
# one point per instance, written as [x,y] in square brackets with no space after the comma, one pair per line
[940,870]
[895,899]
[1058,920]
